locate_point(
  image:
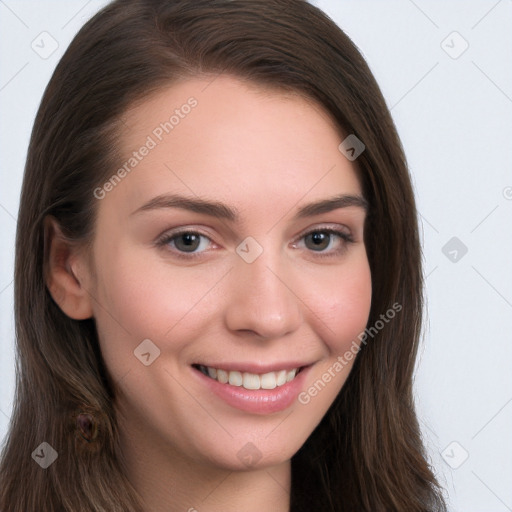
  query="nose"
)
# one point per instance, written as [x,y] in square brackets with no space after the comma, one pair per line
[261,298]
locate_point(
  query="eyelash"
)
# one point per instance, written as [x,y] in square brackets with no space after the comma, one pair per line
[169,237]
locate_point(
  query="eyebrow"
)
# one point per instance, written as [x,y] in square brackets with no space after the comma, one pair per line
[222,211]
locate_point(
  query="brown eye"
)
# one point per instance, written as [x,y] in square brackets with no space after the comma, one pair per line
[187,242]
[319,240]
[326,241]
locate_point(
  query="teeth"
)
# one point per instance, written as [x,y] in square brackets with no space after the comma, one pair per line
[250,381]
[235,378]
[222,376]
[269,381]
[281,377]
[290,375]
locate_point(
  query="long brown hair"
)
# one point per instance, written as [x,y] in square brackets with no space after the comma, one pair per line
[367,452]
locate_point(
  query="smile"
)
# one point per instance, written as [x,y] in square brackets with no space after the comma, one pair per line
[250,381]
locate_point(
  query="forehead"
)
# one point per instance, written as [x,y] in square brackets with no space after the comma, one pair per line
[232,140]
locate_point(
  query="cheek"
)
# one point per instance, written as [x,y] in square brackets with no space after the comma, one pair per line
[342,309]
[352,311]
[139,298]
[342,304]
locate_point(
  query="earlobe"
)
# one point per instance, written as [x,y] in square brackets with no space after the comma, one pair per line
[66,273]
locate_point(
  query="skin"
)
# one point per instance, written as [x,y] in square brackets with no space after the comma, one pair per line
[241,145]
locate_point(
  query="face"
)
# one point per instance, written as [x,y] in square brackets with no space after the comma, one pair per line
[207,266]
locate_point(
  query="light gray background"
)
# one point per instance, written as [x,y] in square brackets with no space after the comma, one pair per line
[453,113]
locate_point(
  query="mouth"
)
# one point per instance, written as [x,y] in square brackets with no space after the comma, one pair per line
[250,381]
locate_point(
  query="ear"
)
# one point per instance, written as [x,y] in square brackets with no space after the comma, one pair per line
[67,273]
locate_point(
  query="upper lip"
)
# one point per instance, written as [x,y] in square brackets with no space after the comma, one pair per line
[256,368]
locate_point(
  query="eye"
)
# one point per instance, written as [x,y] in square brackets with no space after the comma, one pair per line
[185,242]
[326,241]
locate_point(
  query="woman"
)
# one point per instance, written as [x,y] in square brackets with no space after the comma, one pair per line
[218,282]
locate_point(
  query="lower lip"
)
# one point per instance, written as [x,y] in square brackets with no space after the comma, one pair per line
[258,401]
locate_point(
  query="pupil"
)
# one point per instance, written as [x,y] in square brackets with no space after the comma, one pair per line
[189,241]
[320,240]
